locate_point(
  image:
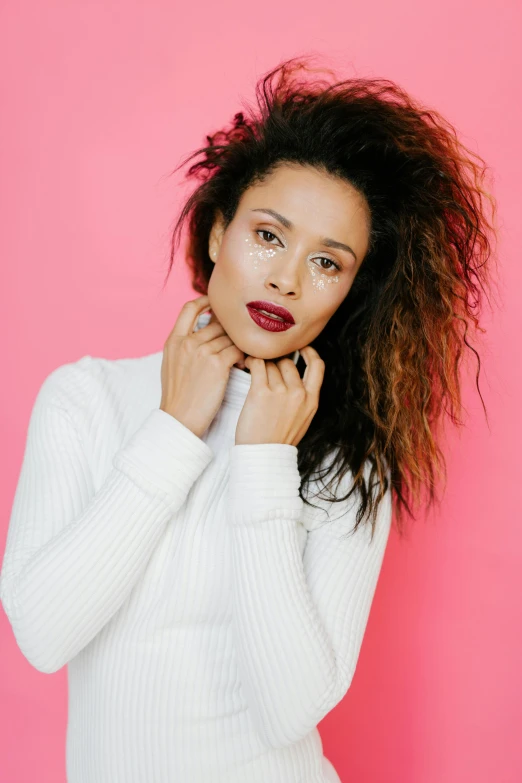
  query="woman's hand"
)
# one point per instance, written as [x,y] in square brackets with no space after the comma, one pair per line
[196,367]
[280,406]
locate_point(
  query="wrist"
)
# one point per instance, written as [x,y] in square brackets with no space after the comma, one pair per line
[185,420]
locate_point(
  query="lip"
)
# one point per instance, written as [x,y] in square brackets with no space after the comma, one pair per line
[270,307]
[268,323]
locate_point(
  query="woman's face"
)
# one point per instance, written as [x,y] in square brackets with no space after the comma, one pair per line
[304,258]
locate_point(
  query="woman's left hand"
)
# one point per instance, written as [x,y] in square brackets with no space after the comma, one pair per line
[280,405]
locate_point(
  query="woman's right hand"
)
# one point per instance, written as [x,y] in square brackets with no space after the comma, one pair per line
[196,367]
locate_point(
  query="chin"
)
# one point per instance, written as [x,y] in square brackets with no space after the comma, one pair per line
[266,347]
[270,355]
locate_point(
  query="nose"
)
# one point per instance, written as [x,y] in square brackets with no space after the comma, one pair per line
[284,274]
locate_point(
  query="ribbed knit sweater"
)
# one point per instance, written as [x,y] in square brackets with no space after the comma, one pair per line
[208,617]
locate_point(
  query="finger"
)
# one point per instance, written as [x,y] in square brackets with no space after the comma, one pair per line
[257,371]
[314,372]
[289,373]
[274,377]
[189,314]
[208,332]
[213,318]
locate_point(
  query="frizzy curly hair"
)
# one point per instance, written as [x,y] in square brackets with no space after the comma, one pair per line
[393,348]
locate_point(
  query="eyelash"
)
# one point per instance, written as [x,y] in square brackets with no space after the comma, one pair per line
[266,231]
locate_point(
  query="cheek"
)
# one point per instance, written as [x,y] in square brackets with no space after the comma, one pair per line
[323,299]
[232,271]
[321,281]
[241,262]
[252,255]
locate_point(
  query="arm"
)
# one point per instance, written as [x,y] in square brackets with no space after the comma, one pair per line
[72,555]
[299,621]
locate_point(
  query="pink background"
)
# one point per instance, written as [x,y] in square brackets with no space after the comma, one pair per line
[100,102]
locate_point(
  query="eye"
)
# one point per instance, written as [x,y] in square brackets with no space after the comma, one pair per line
[265,231]
[335,265]
[330,261]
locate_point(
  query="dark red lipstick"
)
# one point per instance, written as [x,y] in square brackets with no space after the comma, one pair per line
[268,322]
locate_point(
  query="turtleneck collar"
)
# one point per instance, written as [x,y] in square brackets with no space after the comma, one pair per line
[237,387]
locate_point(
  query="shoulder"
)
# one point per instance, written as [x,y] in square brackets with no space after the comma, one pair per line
[91,380]
[104,400]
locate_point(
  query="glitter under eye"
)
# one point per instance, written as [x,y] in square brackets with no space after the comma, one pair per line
[320,279]
[261,253]
[258,253]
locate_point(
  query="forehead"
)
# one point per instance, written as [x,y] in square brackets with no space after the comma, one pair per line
[313,200]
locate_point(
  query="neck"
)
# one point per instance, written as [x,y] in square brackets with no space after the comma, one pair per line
[241,366]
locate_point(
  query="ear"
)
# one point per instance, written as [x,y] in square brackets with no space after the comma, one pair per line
[216,236]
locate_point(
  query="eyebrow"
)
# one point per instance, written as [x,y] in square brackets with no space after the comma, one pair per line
[288,224]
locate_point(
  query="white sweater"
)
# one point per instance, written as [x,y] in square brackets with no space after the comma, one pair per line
[208,621]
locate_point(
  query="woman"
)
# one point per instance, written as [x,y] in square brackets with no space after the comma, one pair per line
[206,568]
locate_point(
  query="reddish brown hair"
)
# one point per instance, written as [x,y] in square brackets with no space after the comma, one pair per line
[393,349]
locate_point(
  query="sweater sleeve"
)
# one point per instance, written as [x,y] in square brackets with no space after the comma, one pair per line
[72,554]
[299,620]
